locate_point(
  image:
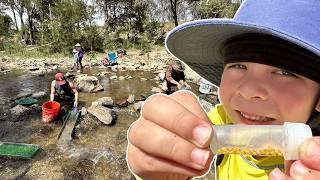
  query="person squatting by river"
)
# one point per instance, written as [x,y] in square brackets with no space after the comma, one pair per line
[266,62]
[175,77]
[63,91]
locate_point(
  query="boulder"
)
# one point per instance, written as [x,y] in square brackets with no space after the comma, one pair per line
[131,98]
[104,101]
[38,94]
[87,83]
[104,114]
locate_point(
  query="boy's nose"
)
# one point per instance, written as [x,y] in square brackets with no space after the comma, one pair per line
[253,89]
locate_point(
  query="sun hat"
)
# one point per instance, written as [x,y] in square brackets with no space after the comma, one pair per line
[74,51]
[199,43]
[77,45]
[60,79]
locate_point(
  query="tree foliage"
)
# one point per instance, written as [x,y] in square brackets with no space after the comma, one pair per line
[57,25]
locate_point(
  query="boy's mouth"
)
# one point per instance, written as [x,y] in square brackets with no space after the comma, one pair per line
[253,119]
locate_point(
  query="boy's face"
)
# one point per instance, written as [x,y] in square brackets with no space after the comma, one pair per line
[253,93]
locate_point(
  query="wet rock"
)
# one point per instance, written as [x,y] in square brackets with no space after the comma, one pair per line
[122,102]
[114,77]
[137,106]
[86,124]
[39,94]
[21,95]
[83,111]
[114,68]
[128,77]
[55,67]
[39,72]
[130,98]
[19,111]
[156,90]
[206,105]
[161,76]
[87,83]
[98,88]
[102,113]
[164,86]
[121,78]
[69,75]
[104,101]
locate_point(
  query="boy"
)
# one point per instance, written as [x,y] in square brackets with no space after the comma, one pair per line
[75,59]
[268,60]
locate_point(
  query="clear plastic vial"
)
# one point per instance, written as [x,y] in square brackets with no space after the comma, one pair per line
[260,140]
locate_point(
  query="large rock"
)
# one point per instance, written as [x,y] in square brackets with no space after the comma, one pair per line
[104,101]
[88,84]
[39,94]
[103,114]
[22,113]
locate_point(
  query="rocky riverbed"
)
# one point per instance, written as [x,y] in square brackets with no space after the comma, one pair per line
[110,101]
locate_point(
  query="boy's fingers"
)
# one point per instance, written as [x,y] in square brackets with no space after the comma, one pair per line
[277,174]
[190,102]
[299,171]
[178,119]
[151,167]
[310,153]
[160,142]
[287,165]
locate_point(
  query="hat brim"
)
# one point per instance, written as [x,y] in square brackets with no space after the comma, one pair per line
[199,43]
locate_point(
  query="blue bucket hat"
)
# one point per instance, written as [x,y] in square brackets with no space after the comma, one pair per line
[199,43]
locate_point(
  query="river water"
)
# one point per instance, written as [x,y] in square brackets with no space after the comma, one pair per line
[96,154]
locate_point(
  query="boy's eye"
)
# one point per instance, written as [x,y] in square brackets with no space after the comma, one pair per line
[237,66]
[284,72]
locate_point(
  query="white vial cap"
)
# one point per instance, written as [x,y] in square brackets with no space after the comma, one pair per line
[296,134]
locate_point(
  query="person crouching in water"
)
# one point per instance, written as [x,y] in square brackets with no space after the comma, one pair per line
[175,78]
[63,91]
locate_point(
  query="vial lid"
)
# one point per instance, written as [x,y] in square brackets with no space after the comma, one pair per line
[296,134]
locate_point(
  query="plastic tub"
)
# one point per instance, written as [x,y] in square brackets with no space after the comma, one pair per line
[50,111]
[205,86]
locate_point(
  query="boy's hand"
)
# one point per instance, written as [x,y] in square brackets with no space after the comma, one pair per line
[307,167]
[170,139]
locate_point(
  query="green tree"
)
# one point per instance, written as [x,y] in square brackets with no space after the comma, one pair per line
[217,9]
[5,24]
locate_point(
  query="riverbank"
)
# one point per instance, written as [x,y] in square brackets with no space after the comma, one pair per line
[157,59]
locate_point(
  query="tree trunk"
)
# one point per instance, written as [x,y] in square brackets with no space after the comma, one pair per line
[14,18]
[173,5]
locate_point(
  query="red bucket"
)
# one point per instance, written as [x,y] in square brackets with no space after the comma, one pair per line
[50,111]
